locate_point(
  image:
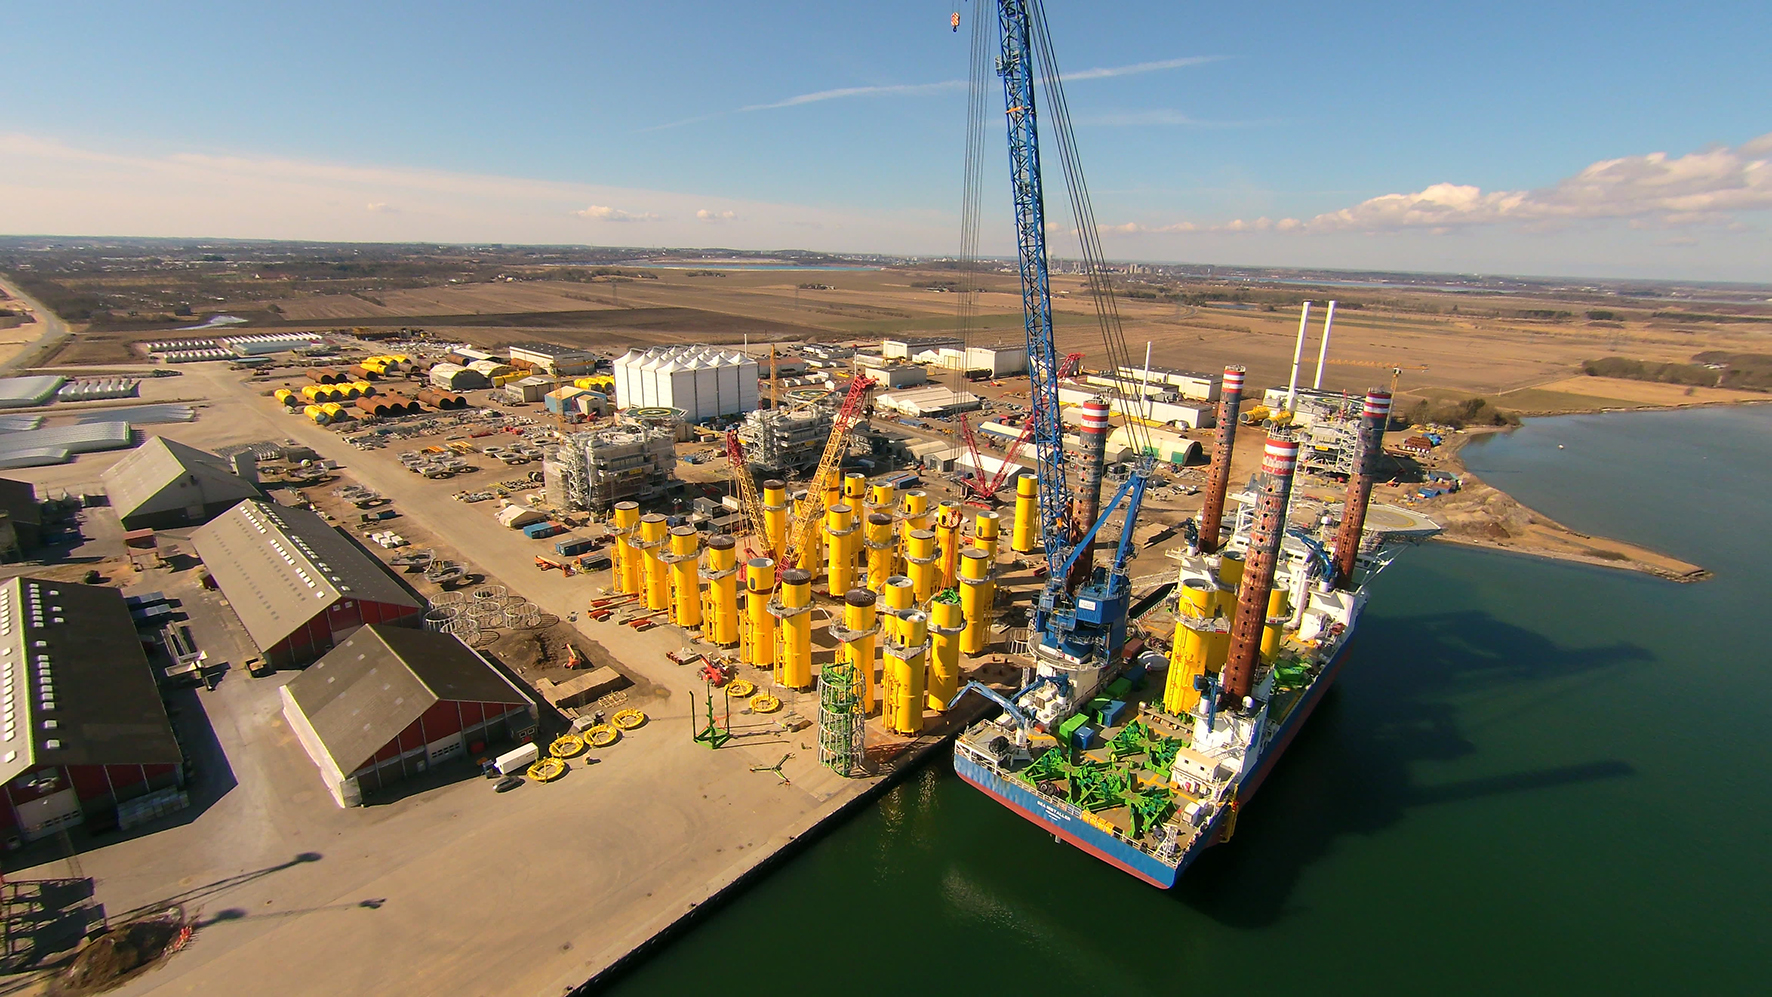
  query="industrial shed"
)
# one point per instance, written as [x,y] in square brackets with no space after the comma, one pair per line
[389,703]
[165,483]
[87,739]
[704,381]
[298,585]
[22,527]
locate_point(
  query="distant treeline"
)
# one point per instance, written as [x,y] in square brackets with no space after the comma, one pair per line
[1712,369]
[1458,414]
[75,306]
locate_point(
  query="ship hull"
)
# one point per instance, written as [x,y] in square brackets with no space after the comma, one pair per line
[1112,849]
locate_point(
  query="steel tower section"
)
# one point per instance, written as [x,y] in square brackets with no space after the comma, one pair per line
[1016,66]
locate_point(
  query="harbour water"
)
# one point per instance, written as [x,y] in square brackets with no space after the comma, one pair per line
[1532,777]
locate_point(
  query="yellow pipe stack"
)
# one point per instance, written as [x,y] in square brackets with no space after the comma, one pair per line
[722,579]
[1025,538]
[880,546]
[626,573]
[906,658]
[898,597]
[947,539]
[978,593]
[984,534]
[775,517]
[653,533]
[914,513]
[759,580]
[792,608]
[856,643]
[1188,655]
[685,585]
[883,501]
[839,542]
[945,626]
[855,489]
[1277,611]
[919,556]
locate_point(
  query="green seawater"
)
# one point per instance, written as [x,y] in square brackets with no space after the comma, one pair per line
[1532,777]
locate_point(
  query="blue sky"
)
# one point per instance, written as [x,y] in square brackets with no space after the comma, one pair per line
[628,124]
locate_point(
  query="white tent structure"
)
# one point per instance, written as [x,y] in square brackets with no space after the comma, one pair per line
[703,381]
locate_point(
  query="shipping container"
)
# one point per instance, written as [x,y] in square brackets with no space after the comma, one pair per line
[517,759]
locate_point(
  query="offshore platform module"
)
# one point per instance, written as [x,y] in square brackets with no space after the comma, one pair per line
[1144,763]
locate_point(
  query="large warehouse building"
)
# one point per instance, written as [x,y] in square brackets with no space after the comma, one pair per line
[165,483]
[86,738]
[298,585]
[389,703]
[703,381]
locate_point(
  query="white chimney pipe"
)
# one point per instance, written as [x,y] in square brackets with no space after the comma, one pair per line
[1323,351]
[1304,316]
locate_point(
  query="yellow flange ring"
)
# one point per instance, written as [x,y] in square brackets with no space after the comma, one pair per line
[629,719]
[566,745]
[547,770]
[763,702]
[741,688]
[602,736]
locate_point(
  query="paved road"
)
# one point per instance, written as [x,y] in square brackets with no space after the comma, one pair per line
[55,332]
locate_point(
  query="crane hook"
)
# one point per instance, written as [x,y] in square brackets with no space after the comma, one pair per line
[955,21]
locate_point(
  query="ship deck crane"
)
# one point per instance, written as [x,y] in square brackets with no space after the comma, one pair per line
[1079,622]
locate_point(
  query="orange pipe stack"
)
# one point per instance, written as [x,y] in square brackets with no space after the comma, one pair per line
[1218,478]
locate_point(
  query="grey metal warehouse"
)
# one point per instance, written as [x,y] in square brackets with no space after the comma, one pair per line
[389,703]
[165,483]
[298,585]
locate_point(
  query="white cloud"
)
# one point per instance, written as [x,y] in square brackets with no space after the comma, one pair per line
[1650,191]
[381,208]
[707,215]
[896,90]
[1140,67]
[1699,188]
[605,213]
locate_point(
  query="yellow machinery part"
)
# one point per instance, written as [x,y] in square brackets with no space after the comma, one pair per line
[763,702]
[602,736]
[629,719]
[566,745]
[547,770]
[741,687]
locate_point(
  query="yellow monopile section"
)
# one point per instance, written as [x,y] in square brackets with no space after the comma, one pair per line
[685,585]
[914,511]
[812,556]
[905,662]
[947,539]
[1270,632]
[919,558]
[653,532]
[627,554]
[1230,575]
[898,597]
[977,594]
[858,647]
[722,579]
[1025,538]
[1187,657]
[881,550]
[793,608]
[839,534]
[984,533]
[855,489]
[759,580]
[775,516]
[945,625]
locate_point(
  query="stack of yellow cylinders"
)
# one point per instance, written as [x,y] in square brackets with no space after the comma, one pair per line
[1025,538]
[919,556]
[881,550]
[840,530]
[858,650]
[984,533]
[1277,610]
[1187,656]
[947,538]
[685,586]
[898,597]
[287,397]
[978,593]
[794,667]
[316,413]
[653,533]
[775,516]
[722,578]
[334,412]
[914,511]
[855,489]
[627,550]
[759,580]
[364,388]
[945,626]
[905,663]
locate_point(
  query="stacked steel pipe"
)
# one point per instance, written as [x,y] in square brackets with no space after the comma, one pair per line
[1274,489]
[1218,478]
[1359,485]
